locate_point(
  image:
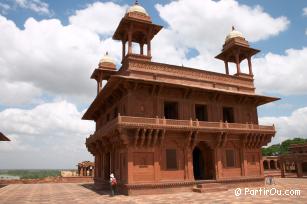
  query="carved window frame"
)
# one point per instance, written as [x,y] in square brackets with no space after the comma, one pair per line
[176,159]
[234,159]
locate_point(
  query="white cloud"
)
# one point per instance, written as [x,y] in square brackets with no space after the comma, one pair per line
[18,93]
[305,11]
[283,74]
[204,24]
[50,135]
[288,127]
[54,58]
[101,18]
[34,5]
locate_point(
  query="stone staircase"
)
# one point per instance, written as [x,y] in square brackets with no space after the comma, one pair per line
[209,187]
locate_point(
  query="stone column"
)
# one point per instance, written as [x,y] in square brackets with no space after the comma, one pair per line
[299,169]
[243,162]
[149,48]
[148,40]
[283,168]
[269,164]
[130,166]
[250,65]
[124,49]
[219,165]
[130,42]
[157,165]
[81,171]
[238,62]
[261,163]
[226,67]
[141,48]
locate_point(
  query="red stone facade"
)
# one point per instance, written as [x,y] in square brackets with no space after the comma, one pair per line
[164,128]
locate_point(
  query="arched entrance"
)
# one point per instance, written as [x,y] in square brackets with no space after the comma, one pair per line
[203,162]
[304,167]
[272,164]
[265,164]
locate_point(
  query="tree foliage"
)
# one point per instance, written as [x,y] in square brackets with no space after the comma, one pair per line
[282,148]
[33,174]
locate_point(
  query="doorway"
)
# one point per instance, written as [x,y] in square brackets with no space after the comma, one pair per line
[203,162]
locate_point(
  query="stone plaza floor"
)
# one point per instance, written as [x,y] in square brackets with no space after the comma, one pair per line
[82,193]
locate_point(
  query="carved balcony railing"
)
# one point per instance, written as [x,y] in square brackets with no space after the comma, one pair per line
[170,124]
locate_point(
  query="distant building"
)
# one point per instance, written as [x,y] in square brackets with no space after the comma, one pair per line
[71,173]
[295,160]
[86,168]
[3,137]
[271,162]
[162,128]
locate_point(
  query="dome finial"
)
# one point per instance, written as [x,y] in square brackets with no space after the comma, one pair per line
[136,2]
[107,53]
[233,27]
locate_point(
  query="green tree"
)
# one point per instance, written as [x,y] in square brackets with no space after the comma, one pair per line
[279,149]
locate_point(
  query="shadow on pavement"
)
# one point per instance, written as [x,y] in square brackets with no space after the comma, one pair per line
[93,188]
[1,186]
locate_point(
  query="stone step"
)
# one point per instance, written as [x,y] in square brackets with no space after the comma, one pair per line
[209,187]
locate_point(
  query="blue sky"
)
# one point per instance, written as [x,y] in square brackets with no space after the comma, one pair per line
[49,49]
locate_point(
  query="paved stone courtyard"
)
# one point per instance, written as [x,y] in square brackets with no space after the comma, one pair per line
[82,193]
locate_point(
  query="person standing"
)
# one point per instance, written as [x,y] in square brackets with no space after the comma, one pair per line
[113,184]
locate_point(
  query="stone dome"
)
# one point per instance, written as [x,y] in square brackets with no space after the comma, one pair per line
[233,34]
[137,8]
[107,59]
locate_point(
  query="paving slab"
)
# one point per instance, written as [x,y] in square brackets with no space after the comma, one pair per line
[83,193]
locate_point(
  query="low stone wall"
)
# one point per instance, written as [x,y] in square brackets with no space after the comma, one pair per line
[75,179]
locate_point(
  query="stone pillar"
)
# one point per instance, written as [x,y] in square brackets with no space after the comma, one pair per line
[299,169]
[149,48]
[219,165]
[261,164]
[148,40]
[269,164]
[238,62]
[276,167]
[157,165]
[243,163]
[283,168]
[250,65]
[81,171]
[130,42]
[130,166]
[124,49]
[141,48]
[226,67]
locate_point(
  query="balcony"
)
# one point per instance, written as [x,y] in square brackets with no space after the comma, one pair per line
[129,122]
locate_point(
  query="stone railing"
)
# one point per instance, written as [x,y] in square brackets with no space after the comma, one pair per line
[162,123]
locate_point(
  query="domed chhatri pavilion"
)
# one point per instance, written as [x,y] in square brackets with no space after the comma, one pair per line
[163,128]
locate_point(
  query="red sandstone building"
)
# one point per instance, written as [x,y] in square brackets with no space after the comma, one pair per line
[86,168]
[294,161]
[161,127]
